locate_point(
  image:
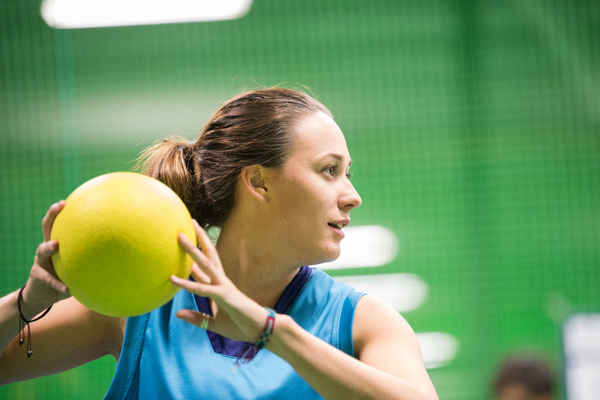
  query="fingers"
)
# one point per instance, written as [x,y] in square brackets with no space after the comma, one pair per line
[49,218]
[207,270]
[44,253]
[195,252]
[50,280]
[200,259]
[204,241]
[194,317]
[199,275]
[45,270]
[198,288]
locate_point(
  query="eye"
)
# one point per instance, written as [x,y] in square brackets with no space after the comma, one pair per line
[331,170]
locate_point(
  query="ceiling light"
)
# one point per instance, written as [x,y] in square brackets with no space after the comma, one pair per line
[69,14]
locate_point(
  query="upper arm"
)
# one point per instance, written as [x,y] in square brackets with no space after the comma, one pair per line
[383,339]
[68,336]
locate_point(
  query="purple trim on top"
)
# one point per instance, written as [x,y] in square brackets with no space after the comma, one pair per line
[234,348]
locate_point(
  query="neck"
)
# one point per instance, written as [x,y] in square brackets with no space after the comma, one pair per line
[253,265]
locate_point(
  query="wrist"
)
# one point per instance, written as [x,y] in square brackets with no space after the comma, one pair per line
[284,328]
[25,320]
[30,307]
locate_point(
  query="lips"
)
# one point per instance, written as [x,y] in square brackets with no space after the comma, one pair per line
[339,224]
[337,231]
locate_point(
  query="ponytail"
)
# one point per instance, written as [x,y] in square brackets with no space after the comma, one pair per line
[172,161]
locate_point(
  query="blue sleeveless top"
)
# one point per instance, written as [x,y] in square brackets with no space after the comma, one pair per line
[163,357]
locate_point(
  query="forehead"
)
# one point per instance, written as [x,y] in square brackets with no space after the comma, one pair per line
[315,135]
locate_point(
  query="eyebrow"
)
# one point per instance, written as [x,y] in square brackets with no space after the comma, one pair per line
[338,157]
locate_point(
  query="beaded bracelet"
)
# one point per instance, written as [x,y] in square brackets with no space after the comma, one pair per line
[269,325]
[23,320]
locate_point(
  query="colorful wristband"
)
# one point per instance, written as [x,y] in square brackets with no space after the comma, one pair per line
[269,326]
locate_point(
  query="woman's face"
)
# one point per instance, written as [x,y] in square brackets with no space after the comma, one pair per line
[311,193]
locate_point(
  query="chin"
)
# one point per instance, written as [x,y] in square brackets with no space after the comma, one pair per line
[322,252]
[329,253]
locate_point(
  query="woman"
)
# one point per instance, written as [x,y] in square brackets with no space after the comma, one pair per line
[271,169]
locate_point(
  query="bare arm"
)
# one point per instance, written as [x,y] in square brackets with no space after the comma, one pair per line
[383,339]
[69,335]
[390,365]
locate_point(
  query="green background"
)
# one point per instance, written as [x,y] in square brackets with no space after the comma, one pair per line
[474,128]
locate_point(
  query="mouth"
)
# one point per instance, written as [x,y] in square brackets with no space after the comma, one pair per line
[337,226]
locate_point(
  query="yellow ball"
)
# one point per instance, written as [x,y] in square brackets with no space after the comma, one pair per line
[117,237]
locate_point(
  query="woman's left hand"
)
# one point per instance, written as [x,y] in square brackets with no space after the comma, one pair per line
[237,316]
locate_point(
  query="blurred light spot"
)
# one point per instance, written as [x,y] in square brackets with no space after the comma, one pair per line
[365,246]
[403,292]
[581,334]
[68,14]
[582,356]
[438,348]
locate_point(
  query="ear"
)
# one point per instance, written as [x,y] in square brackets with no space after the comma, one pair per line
[254,179]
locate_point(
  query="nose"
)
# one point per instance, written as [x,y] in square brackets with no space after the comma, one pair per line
[350,198]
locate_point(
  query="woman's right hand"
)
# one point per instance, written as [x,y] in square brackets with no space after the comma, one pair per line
[44,288]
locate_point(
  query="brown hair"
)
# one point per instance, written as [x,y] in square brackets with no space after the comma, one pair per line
[533,373]
[252,128]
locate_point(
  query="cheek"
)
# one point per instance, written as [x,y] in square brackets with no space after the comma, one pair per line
[302,202]
[299,192]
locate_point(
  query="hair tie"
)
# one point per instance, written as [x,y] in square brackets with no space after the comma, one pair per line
[23,320]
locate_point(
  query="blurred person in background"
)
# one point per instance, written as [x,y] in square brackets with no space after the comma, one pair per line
[524,378]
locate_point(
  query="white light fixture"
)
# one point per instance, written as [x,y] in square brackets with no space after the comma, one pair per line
[438,348]
[582,356]
[72,14]
[365,246]
[403,292]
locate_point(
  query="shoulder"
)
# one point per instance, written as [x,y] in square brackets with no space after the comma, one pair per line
[321,280]
[384,339]
[335,293]
[375,320]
